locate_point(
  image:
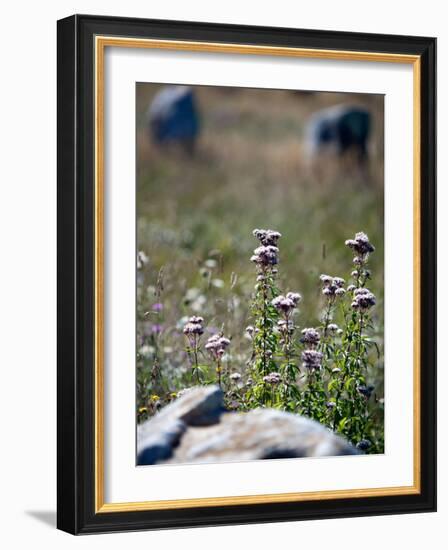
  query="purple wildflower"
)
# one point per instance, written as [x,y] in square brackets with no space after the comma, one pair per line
[312,359]
[361,245]
[193,329]
[216,345]
[285,327]
[267,236]
[286,304]
[332,287]
[272,378]
[363,299]
[265,255]
[310,337]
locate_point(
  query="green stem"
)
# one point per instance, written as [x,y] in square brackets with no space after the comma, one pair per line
[218,371]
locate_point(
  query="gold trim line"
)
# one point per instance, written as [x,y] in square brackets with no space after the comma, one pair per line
[107,41]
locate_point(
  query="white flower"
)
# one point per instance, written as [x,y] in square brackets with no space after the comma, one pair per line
[147,351]
[218,283]
[142,259]
[210,263]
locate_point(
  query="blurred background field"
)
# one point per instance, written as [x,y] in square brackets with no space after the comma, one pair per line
[196,213]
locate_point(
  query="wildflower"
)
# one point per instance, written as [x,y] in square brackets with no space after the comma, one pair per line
[157,307]
[147,351]
[156,328]
[272,378]
[331,404]
[312,359]
[287,303]
[265,255]
[142,259]
[285,327]
[283,304]
[193,329]
[192,295]
[267,236]
[364,445]
[199,303]
[338,282]
[216,345]
[196,319]
[235,376]
[332,286]
[210,263]
[155,398]
[351,288]
[361,245]
[194,326]
[332,328]
[311,337]
[326,280]
[366,391]
[363,299]
[251,331]
[142,410]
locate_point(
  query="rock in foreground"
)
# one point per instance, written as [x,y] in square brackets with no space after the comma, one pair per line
[157,437]
[194,429]
[259,434]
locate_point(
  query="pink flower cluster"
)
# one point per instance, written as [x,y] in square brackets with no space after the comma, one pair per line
[217,345]
[285,304]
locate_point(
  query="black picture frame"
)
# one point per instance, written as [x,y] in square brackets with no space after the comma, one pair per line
[76,256]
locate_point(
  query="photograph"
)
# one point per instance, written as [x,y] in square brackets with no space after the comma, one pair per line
[259,274]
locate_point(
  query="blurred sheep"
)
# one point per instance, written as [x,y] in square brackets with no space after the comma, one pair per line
[339,129]
[173,118]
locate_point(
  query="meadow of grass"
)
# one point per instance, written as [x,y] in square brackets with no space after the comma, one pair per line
[196,214]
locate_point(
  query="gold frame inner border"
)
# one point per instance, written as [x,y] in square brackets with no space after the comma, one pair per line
[101,43]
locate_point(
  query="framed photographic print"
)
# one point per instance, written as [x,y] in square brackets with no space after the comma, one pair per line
[246,274]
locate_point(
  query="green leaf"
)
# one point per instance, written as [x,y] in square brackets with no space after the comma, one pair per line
[342,423]
[349,384]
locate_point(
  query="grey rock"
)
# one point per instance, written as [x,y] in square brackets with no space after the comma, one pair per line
[158,436]
[173,117]
[339,128]
[158,440]
[259,434]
